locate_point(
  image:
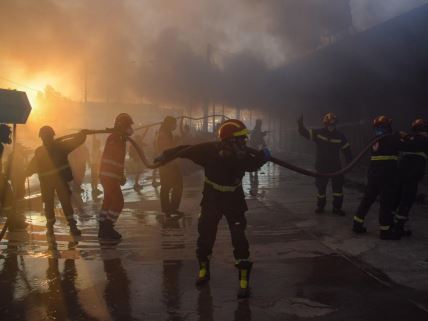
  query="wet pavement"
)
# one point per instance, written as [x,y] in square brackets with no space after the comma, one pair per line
[307,267]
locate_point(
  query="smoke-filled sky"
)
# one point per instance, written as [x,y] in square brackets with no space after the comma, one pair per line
[180,52]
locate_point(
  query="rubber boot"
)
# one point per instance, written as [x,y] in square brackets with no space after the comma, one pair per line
[73,229]
[319,210]
[17,223]
[339,212]
[359,228]
[204,273]
[389,235]
[107,232]
[401,230]
[244,268]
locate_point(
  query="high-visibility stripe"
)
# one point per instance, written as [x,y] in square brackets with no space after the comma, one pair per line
[203,270]
[111,175]
[385,227]
[244,279]
[384,157]
[422,154]
[322,137]
[358,219]
[311,134]
[402,218]
[346,146]
[54,171]
[336,141]
[113,213]
[243,132]
[338,194]
[221,188]
[321,196]
[111,162]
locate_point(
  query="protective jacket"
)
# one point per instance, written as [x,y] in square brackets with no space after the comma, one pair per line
[412,162]
[328,147]
[113,158]
[51,162]
[224,170]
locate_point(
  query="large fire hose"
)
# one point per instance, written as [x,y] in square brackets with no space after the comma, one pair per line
[182,151]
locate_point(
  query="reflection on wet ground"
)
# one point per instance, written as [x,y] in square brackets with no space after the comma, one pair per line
[150,274]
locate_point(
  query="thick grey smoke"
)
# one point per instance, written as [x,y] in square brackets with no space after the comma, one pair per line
[181,52]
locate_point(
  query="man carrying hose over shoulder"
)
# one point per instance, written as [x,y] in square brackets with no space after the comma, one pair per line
[112,176]
[329,143]
[50,162]
[225,164]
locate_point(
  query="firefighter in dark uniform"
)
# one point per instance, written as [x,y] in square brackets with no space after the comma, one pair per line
[411,170]
[15,221]
[329,143]
[225,164]
[50,162]
[381,180]
[171,178]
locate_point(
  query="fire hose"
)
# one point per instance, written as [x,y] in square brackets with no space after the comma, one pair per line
[181,152]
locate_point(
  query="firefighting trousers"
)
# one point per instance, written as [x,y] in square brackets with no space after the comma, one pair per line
[385,188]
[113,200]
[337,187]
[6,198]
[406,196]
[63,191]
[171,189]
[207,228]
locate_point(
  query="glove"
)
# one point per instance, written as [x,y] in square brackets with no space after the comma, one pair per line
[160,158]
[266,154]
[300,121]
[123,181]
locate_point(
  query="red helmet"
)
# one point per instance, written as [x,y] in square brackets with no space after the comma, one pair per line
[329,119]
[420,125]
[232,128]
[382,121]
[46,131]
[123,121]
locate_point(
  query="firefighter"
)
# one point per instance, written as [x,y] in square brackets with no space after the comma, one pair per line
[50,162]
[225,164]
[112,176]
[257,141]
[329,143]
[171,179]
[381,180]
[95,166]
[411,170]
[15,221]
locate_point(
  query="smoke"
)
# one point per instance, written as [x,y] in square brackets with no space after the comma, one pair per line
[181,52]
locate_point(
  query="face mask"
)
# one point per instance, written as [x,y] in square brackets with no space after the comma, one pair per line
[129,131]
[331,128]
[379,131]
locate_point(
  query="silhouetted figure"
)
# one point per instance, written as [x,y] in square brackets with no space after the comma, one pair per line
[329,143]
[95,166]
[51,164]
[170,174]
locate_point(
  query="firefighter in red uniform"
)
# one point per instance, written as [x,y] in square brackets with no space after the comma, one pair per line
[225,164]
[50,162]
[382,180]
[112,177]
